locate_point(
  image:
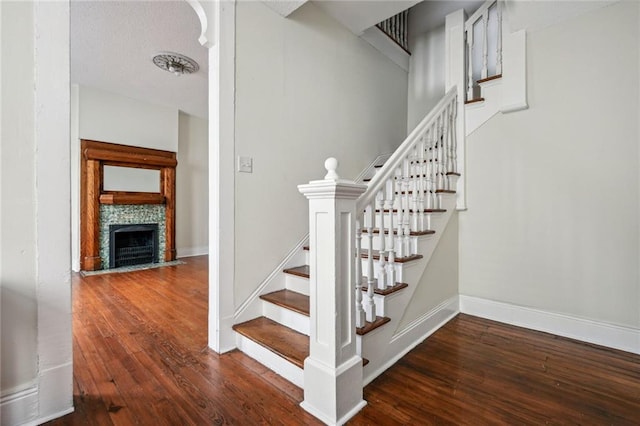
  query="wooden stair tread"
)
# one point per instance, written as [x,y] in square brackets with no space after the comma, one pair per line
[301,271]
[493,77]
[438,191]
[418,211]
[367,179]
[378,166]
[473,101]
[386,291]
[289,299]
[281,340]
[376,256]
[370,326]
[395,231]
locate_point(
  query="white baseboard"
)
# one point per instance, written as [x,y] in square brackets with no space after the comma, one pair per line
[192,251]
[18,408]
[415,333]
[609,335]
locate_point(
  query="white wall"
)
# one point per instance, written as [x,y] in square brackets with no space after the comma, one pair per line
[439,282]
[554,191]
[426,74]
[306,89]
[18,238]
[34,270]
[109,117]
[192,187]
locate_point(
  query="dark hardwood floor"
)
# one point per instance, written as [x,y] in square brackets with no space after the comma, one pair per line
[140,357]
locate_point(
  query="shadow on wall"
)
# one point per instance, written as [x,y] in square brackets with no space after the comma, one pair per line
[19,315]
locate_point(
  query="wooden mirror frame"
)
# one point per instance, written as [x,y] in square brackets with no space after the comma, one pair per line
[94,156]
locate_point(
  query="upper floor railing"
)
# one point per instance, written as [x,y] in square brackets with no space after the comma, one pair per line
[397,28]
[483,33]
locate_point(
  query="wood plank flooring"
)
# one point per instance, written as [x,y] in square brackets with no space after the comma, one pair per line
[140,357]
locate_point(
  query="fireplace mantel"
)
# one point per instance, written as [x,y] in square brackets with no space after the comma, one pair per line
[95,155]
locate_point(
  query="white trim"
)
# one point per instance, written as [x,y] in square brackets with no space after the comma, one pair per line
[415,333]
[19,407]
[50,417]
[326,420]
[383,44]
[599,333]
[192,251]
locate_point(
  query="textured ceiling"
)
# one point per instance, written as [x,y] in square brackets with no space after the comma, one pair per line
[112,43]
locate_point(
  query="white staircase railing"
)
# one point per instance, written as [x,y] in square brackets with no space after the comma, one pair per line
[485,24]
[402,196]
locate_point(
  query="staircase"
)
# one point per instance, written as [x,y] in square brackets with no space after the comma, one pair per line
[330,322]
[398,222]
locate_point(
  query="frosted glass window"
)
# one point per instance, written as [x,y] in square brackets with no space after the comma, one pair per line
[131,179]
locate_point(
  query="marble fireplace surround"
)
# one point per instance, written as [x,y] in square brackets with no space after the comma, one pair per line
[95,201]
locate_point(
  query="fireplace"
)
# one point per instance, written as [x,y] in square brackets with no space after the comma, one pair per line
[133,244]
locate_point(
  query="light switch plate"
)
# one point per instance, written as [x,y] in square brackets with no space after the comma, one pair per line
[245,164]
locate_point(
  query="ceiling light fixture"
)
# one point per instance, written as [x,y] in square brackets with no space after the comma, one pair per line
[175,63]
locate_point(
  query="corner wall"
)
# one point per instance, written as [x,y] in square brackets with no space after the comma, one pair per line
[306,89]
[37,368]
[554,191]
[192,187]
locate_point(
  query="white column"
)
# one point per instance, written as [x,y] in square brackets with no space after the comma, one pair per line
[455,76]
[333,370]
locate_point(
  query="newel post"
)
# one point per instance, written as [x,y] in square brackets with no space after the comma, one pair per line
[333,370]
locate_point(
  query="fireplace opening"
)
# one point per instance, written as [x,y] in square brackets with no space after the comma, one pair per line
[133,244]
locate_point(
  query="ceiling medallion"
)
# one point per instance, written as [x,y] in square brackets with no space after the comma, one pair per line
[175,63]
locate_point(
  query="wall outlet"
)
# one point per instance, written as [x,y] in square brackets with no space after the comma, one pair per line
[245,164]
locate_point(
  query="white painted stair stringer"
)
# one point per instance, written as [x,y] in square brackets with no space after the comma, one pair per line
[382,345]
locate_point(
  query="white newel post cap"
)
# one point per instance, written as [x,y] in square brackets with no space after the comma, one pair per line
[331,164]
[332,186]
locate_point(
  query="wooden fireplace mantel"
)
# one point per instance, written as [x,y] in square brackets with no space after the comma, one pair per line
[94,156]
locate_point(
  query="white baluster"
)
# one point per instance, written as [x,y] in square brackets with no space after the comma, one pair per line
[485,44]
[360,316]
[434,165]
[469,32]
[421,180]
[382,264]
[499,42]
[446,149]
[439,153]
[454,138]
[369,306]
[391,274]
[415,179]
[405,216]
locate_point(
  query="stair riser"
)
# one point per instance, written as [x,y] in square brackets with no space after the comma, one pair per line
[297,284]
[270,360]
[286,317]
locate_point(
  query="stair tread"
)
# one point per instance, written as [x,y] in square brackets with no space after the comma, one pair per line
[370,326]
[473,101]
[445,191]
[386,291]
[493,77]
[395,231]
[438,191]
[288,299]
[376,256]
[301,271]
[418,211]
[281,340]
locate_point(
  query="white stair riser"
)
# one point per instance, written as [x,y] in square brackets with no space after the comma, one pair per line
[271,360]
[286,317]
[297,284]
